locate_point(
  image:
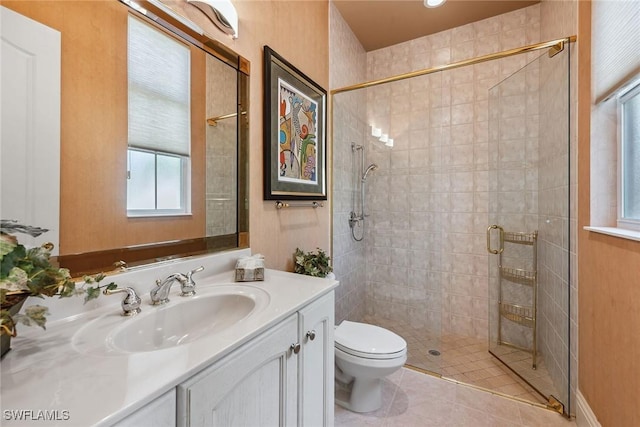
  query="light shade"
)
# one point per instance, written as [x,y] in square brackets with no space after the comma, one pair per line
[377,132]
[433,3]
[389,142]
[168,11]
[221,12]
[384,137]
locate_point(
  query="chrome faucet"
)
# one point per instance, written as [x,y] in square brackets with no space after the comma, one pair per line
[160,294]
[130,303]
[187,285]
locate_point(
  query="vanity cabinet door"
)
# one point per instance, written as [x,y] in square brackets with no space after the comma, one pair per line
[255,385]
[317,363]
[159,413]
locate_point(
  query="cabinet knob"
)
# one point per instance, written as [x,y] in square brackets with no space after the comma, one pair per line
[295,348]
[311,335]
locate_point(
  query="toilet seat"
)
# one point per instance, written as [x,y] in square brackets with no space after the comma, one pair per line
[369,341]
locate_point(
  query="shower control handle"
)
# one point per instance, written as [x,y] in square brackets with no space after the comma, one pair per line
[311,335]
[295,348]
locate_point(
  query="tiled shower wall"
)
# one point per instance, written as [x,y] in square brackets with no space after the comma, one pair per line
[221,151]
[426,258]
[539,123]
[559,19]
[513,191]
[554,222]
[347,66]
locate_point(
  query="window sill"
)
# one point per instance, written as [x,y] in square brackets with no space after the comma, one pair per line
[155,214]
[616,232]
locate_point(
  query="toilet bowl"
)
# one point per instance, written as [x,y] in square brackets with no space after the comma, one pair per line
[364,355]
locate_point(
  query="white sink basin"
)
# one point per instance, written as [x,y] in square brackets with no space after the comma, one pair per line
[181,321]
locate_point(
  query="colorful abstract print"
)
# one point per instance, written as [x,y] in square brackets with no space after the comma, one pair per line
[298,118]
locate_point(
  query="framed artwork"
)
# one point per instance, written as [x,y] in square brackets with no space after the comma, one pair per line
[294,133]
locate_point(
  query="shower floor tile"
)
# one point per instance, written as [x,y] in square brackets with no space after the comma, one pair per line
[467,360]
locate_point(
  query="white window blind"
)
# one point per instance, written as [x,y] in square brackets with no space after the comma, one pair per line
[159,91]
[615,42]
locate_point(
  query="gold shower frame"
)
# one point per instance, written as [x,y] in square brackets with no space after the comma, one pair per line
[555,46]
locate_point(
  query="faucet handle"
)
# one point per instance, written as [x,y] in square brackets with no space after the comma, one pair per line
[195,270]
[130,303]
[188,286]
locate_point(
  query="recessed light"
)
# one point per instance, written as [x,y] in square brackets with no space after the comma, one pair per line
[433,3]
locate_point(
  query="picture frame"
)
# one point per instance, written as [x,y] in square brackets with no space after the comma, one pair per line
[295,160]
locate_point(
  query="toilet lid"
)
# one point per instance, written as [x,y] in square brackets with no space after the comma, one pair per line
[366,340]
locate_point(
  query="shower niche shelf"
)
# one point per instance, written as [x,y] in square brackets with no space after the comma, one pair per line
[525,277]
[520,314]
[521,238]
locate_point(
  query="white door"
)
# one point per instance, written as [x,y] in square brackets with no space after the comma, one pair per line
[30,125]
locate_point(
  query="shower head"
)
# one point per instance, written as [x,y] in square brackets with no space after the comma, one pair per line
[371,168]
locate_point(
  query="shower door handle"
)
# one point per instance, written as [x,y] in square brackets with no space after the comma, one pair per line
[501,249]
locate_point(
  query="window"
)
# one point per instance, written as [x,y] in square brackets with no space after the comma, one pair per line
[629,175]
[159,116]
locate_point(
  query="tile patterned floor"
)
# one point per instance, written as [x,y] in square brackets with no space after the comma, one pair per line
[521,362]
[414,399]
[467,360]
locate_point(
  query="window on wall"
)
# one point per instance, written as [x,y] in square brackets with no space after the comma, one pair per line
[629,164]
[159,131]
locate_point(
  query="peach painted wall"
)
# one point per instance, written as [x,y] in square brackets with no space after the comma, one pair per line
[608,267]
[299,32]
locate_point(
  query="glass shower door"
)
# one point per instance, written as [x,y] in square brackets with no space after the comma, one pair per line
[528,230]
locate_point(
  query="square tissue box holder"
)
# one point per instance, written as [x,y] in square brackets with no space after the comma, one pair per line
[250,269]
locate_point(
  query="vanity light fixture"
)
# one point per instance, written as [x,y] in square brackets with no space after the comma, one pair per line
[384,138]
[221,12]
[377,132]
[389,142]
[135,6]
[170,12]
[433,3]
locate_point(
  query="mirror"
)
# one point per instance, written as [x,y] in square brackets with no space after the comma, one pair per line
[95,231]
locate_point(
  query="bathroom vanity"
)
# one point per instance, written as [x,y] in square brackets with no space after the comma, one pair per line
[271,366]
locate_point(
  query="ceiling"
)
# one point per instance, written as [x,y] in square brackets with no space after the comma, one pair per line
[382,23]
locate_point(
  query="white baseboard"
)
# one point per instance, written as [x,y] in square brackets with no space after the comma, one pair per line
[584,415]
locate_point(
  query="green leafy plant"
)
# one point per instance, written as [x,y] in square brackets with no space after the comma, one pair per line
[312,264]
[29,272]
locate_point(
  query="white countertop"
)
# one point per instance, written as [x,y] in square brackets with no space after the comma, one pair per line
[45,372]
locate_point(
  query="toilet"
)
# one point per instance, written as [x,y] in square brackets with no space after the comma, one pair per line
[364,355]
